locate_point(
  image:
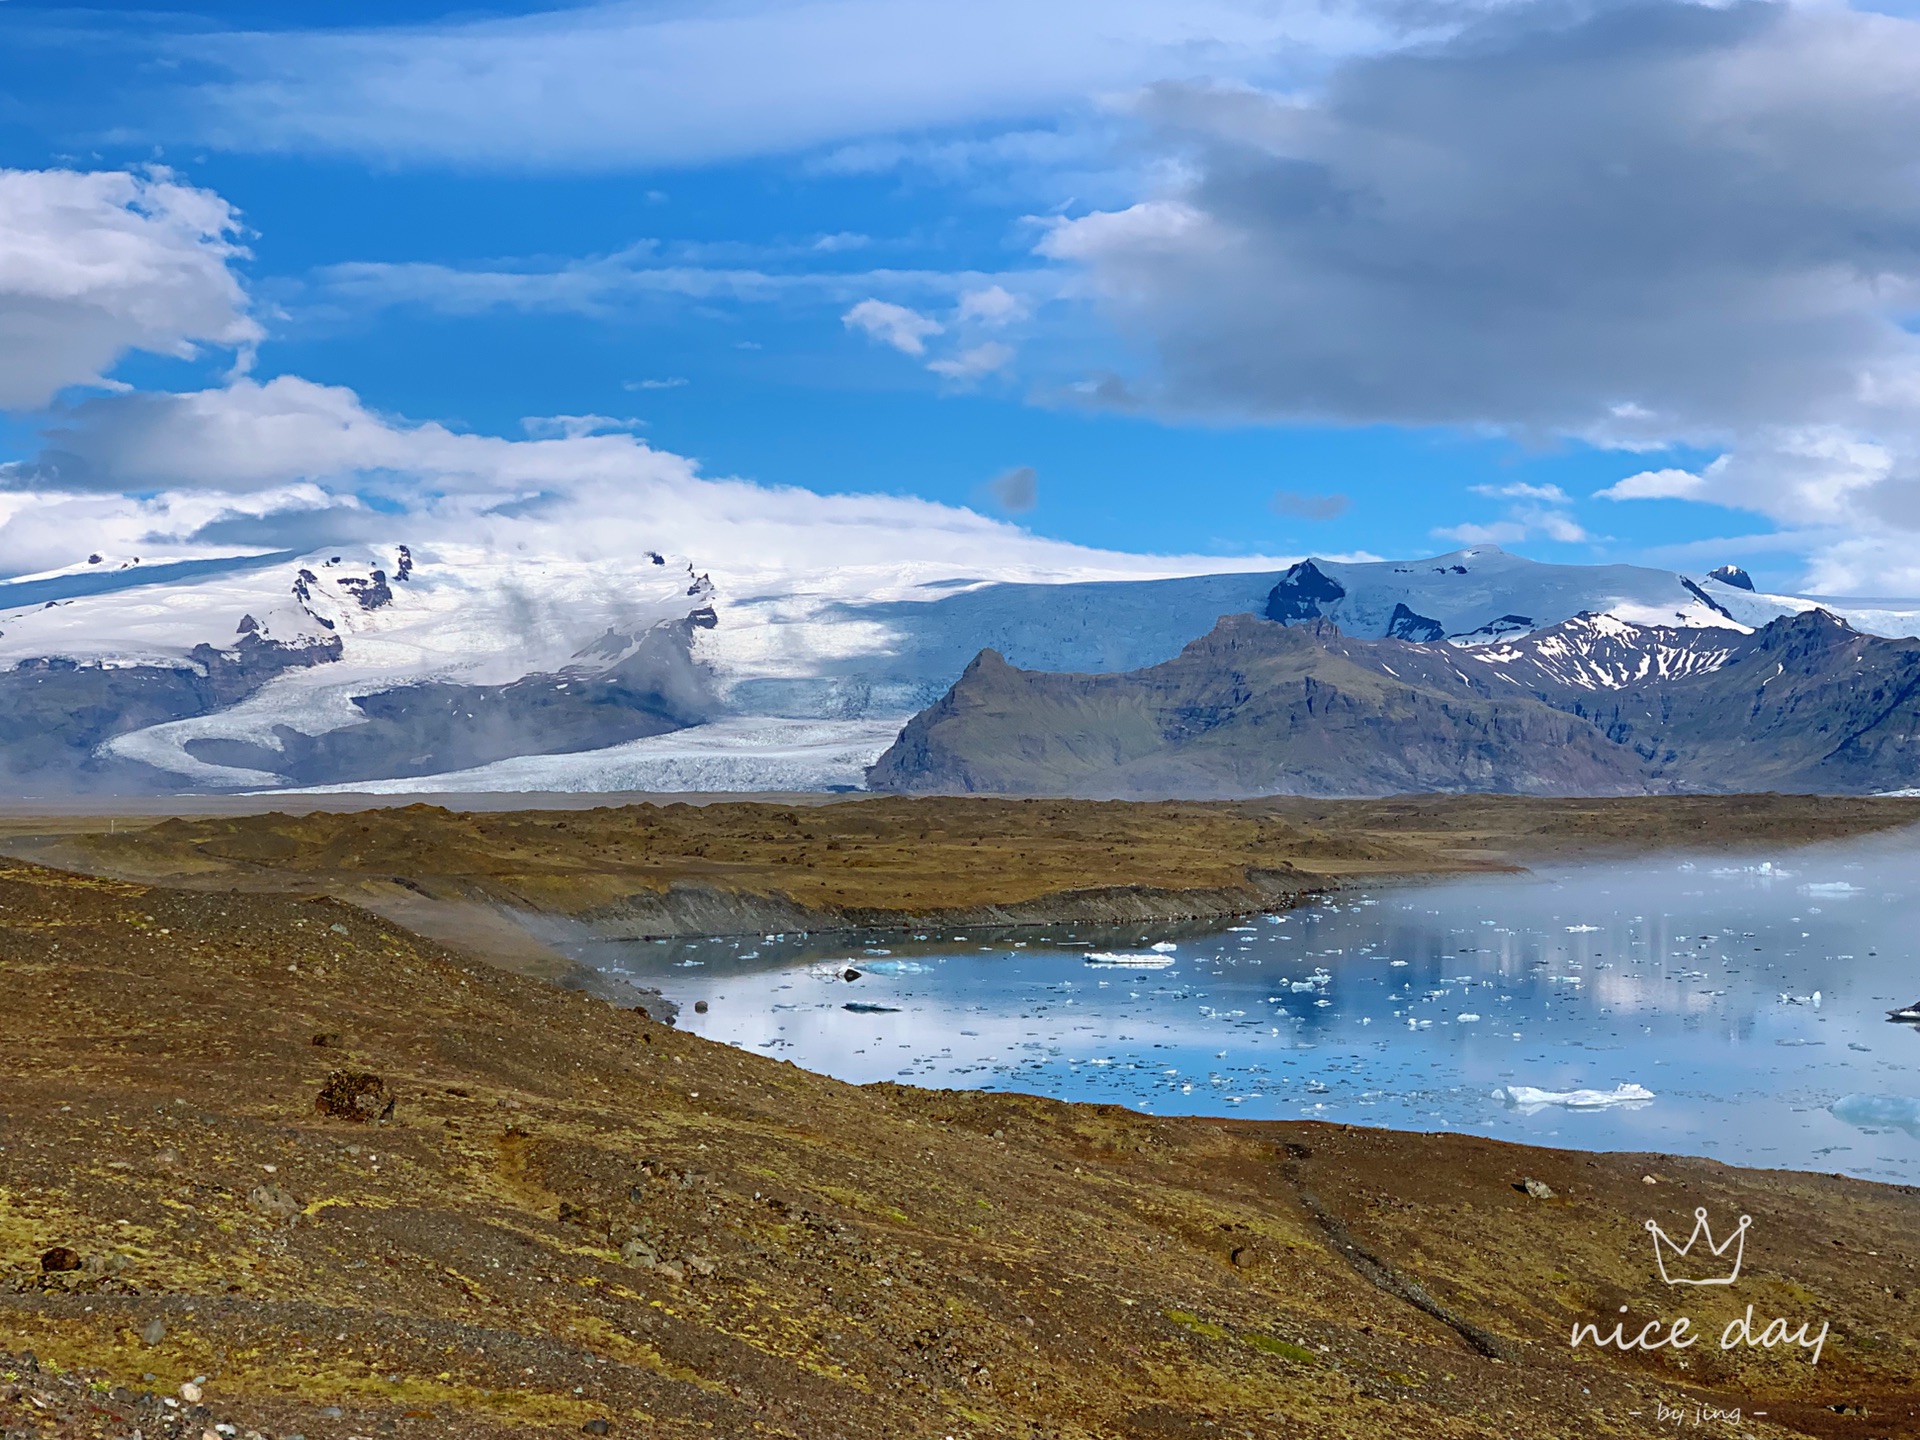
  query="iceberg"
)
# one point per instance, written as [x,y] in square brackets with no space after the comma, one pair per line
[1879,1112]
[1133,960]
[1526,1097]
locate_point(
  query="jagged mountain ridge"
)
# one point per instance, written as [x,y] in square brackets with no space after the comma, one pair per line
[435,661]
[1592,706]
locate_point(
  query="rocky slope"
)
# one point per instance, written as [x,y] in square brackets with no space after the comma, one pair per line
[296,1171]
[1593,706]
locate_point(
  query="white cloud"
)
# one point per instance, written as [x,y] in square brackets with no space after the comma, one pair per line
[573,427]
[625,82]
[93,265]
[995,305]
[1525,522]
[291,463]
[906,330]
[974,363]
[1501,532]
[1656,485]
[1550,494]
[610,285]
[670,382]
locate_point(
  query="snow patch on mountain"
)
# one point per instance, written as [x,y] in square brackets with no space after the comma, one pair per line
[1606,652]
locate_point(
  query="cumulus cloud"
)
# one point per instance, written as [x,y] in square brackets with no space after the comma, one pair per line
[93,265]
[628,82]
[905,329]
[1524,522]
[976,362]
[995,305]
[1640,226]
[572,427]
[1666,484]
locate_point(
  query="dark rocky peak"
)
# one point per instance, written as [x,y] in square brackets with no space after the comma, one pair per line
[405,568]
[1405,624]
[1496,629]
[1732,575]
[701,588]
[372,592]
[247,626]
[1302,593]
[1814,629]
[1817,640]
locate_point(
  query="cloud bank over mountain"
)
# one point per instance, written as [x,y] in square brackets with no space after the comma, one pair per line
[1641,226]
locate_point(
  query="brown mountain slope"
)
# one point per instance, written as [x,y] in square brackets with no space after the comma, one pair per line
[1252,707]
[575,1219]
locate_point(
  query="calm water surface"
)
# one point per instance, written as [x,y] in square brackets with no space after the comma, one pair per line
[1748,996]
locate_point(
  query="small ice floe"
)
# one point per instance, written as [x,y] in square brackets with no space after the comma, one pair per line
[1830,889]
[1526,1097]
[1467,1017]
[1398,964]
[1581,929]
[894,967]
[1907,1014]
[1812,1000]
[1163,947]
[1900,1112]
[1131,959]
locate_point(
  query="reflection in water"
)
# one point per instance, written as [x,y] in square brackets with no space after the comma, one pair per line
[1750,999]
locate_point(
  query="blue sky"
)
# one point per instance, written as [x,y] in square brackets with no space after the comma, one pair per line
[1096,244]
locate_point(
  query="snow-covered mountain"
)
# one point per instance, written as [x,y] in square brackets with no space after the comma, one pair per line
[443,667]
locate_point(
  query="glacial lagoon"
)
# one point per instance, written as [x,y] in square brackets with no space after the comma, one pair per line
[1747,997]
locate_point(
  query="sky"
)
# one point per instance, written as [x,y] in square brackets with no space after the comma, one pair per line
[1241,279]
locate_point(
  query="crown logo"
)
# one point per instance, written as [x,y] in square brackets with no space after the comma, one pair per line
[1708,1267]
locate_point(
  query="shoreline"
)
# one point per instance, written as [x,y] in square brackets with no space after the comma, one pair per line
[574,1214]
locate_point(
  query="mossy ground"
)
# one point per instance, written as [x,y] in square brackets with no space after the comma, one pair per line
[577,1214]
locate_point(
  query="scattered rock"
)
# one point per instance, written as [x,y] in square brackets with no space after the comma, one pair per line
[191,1393]
[338,928]
[356,1095]
[154,1331]
[595,1427]
[701,1266]
[1648,1180]
[1536,1189]
[699,1007]
[1244,1256]
[849,974]
[60,1258]
[273,1201]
